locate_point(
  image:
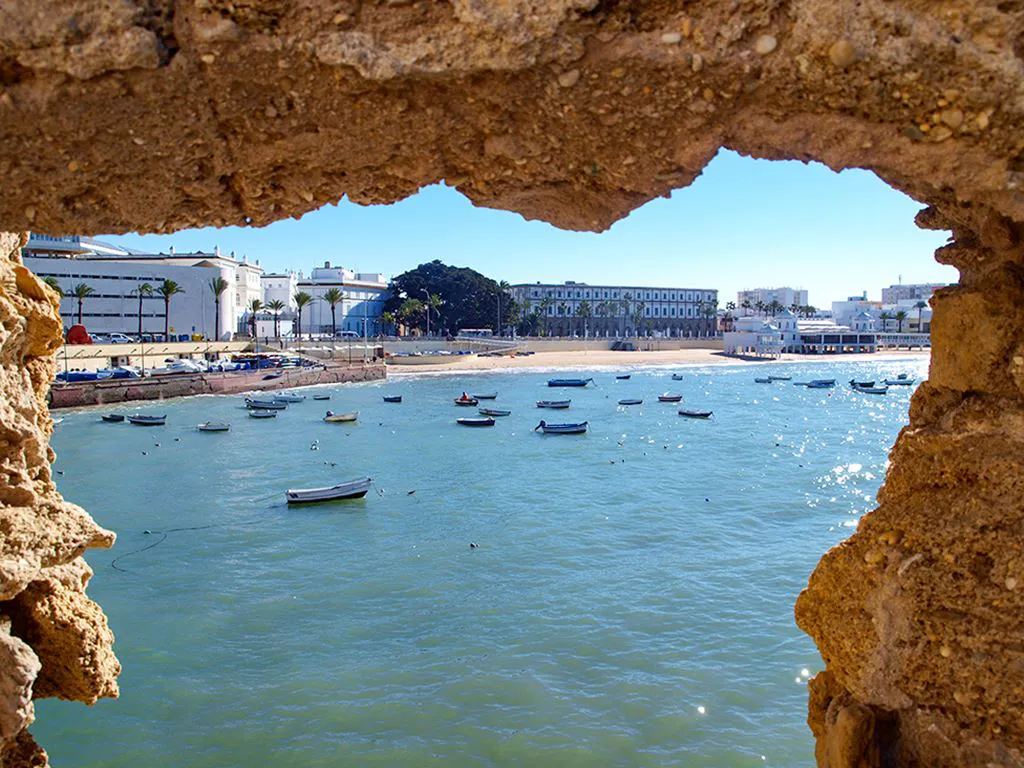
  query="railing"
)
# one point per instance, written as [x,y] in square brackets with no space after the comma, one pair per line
[908,340]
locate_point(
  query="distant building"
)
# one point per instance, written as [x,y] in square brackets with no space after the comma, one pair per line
[758,337]
[572,308]
[787,297]
[895,294]
[115,273]
[360,309]
[280,286]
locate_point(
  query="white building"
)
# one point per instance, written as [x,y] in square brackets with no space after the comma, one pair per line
[787,297]
[280,286]
[115,273]
[359,311]
[785,332]
[619,310]
[896,294]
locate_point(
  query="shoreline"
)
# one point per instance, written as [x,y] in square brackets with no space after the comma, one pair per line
[613,360]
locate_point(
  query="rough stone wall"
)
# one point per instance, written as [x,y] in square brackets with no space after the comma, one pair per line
[54,641]
[163,114]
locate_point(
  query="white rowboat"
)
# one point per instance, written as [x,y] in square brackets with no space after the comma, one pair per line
[353,489]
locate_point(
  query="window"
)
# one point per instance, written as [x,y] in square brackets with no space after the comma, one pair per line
[673,311]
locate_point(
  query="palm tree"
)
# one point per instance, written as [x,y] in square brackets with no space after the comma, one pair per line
[545,304]
[276,306]
[885,317]
[626,303]
[525,311]
[141,291]
[334,296]
[387,320]
[435,303]
[920,306]
[760,305]
[503,287]
[80,292]
[218,285]
[54,283]
[710,310]
[584,312]
[602,311]
[410,310]
[900,317]
[638,316]
[254,307]
[746,305]
[563,310]
[167,289]
[301,300]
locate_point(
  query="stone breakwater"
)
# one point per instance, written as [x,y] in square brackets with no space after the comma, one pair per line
[183,385]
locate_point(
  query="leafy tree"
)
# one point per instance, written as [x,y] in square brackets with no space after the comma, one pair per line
[81,292]
[410,310]
[760,305]
[545,304]
[626,304]
[885,317]
[218,285]
[563,311]
[584,313]
[333,296]
[54,283]
[167,289]
[638,316]
[141,291]
[302,300]
[900,317]
[387,320]
[746,305]
[277,307]
[920,306]
[254,307]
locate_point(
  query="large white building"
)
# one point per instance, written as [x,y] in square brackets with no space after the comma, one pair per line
[618,310]
[362,303]
[785,332]
[280,286]
[115,274]
[786,297]
[895,294]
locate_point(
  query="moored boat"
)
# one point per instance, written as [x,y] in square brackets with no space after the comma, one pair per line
[855,384]
[261,413]
[494,412]
[488,396]
[553,403]
[214,426]
[763,381]
[824,382]
[780,378]
[392,398]
[353,489]
[475,421]
[147,421]
[562,429]
[631,401]
[321,397]
[677,377]
[695,414]
[341,418]
[667,398]
[900,382]
[265,405]
[623,376]
[871,390]
[466,401]
[288,397]
[568,382]
[114,418]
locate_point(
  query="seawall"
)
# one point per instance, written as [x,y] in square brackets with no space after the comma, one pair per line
[183,385]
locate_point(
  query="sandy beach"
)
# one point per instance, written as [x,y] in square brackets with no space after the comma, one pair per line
[587,359]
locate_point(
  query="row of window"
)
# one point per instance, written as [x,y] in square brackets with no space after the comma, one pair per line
[74,315]
[649,295]
[133,278]
[648,312]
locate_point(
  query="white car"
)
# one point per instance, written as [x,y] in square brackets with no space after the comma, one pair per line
[121,338]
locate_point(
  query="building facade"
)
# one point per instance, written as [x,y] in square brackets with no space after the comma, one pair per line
[747,301]
[359,310]
[785,332]
[280,286]
[578,309]
[896,294]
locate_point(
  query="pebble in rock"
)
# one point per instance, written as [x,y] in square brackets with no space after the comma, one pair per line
[766,44]
[842,53]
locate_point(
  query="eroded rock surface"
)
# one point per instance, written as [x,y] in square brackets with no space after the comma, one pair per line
[53,640]
[157,115]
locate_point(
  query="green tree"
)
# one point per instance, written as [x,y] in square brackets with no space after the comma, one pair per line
[504,298]
[302,300]
[920,307]
[167,289]
[81,292]
[333,296]
[143,290]
[584,312]
[545,304]
[563,311]
[254,307]
[218,285]
[626,306]
[885,317]
[638,316]
[710,312]
[760,306]
[387,320]
[277,307]
[409,312]
[900,317]
[435,302]
[746,305]
[54,283]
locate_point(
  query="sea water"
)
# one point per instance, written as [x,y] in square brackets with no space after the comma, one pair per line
[629,603]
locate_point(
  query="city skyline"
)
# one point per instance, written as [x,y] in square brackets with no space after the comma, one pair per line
[744,224]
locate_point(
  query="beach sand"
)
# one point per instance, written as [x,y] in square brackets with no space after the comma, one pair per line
[585,359]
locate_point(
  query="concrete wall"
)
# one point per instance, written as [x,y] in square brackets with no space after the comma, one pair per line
[92,357]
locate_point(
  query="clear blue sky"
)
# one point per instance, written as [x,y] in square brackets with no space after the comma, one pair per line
[743,224]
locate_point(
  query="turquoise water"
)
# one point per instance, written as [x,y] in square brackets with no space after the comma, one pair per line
[630,602]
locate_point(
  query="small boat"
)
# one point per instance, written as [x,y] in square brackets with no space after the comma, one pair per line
[824,382]
[855,384]
[114,418]
[148,421]
[490,396]
[214,426]
[562,429]
[696,414]
[763,381]
[631,402]
[261,413]
[677,377]
[568,382]
[265,405]
[899,382]
[553,403]
[288,397]
[494,412]
[780,378]
[466,401]
[476,422]
[270,376]
[321,397]
[818,385]
[667,398]
[392,398]
[353,489]
[871,390]
[340,418]
[623,376]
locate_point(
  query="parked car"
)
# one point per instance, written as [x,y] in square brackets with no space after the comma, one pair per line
[121,338]
[347,335]
[99,338]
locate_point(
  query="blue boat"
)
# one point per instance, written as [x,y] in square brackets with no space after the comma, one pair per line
[553,403]
[147,421]
[562,429]
[568,382]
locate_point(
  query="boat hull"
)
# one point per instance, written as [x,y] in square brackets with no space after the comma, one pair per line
[355,489]
[491,396]
[568,382]
[562,429]
[467,403]
[554,404]
[669,398]
[256,413]
[476,422]
[113,418]
[214,427]
[631,402]
[493,412]
[148,421]
[266,405]
[392,398]
[342,418]
[696,414]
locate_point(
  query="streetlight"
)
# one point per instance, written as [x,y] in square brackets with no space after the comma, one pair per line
[427,293]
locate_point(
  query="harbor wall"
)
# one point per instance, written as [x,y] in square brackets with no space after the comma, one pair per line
[183,385]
